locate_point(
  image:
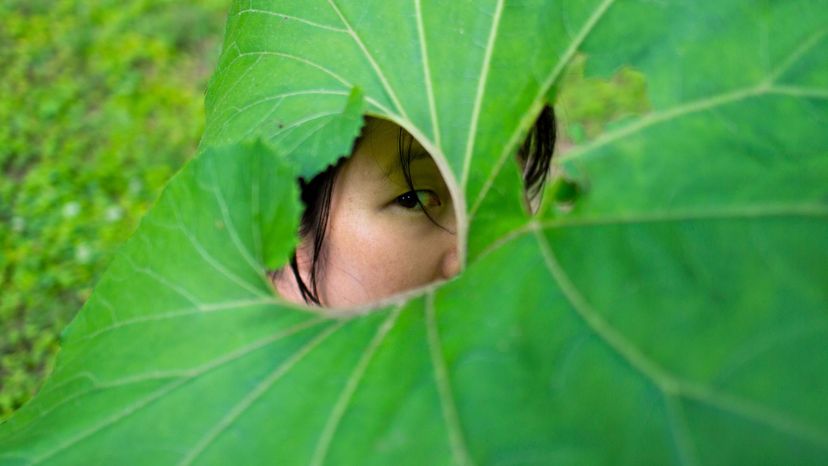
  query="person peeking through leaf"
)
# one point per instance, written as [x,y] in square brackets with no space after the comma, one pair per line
[382,221]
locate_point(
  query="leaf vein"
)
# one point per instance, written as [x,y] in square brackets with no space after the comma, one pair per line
[253,395]
[597,324]
[481,90]
[753,412]
[182,378]
[746,212]
[795,56]
[237,111]
[432,106]
[540,98]
[661,117]
[181,312]
[665,382]
[256,267]
[450,415]
[377,70]
[310,63]
[685,447]
[338,411]
[255,11]
[216,265]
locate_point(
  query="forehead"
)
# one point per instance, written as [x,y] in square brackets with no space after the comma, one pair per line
[381,144]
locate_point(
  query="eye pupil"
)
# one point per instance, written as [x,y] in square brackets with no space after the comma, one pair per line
[408,200]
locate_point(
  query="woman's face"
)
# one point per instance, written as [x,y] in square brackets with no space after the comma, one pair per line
[379,239]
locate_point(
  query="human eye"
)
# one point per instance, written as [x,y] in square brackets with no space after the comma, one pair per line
[417,198]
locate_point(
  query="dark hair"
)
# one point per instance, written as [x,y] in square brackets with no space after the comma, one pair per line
[534,156]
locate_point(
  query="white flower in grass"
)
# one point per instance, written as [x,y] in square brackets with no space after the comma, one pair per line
[71,209]
[113,214]
[83,254]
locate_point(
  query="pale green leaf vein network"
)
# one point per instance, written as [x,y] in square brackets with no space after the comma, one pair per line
[256,266]
[113,313]
[432,106]
[239,79]
[180,373]
[598,325]
[370,58]
[256,11]
[186,376]
[742,212]
[325,70]
[247,401]
[338,411]
[222,73]
[121,414]
[261,121]
[441,377]
[685,446]
[315,130]
[540,98]
[665,382]
[767,86]
[795,56]
[238,111]
[160,279]
[754,412]
[481,90]
[202,251]
[256,213]
[794,91]
[299,59]
[664,116]
[259,56]
[98,386]
[770,343]
[182,312]
[304,92]
[83,375]
[12,456]
[303,121]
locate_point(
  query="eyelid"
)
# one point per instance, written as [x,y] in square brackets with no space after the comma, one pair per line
[404,200]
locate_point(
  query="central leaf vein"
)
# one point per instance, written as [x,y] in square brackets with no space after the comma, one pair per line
[444,390]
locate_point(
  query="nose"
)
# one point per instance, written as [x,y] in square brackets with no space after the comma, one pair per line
[451,263]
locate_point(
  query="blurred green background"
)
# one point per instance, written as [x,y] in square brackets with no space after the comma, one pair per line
[101,101]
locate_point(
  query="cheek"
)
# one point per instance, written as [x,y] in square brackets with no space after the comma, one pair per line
[373,255]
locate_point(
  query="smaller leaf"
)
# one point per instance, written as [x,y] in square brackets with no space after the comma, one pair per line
[315,146]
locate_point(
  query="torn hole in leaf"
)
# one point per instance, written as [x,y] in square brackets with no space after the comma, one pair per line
[565,191]
[534,157]
[587,105]
[376,224]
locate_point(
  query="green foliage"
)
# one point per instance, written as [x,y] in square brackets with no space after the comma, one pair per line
[587,104]
[666,305]
[101,103]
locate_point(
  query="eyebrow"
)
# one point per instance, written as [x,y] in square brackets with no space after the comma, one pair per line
[416,155]
[420,155]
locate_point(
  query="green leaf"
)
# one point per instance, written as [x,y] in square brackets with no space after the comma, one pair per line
[666,306]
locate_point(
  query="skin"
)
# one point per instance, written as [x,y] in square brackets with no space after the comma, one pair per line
[379,241]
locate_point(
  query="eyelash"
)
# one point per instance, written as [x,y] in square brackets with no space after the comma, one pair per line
[409,200]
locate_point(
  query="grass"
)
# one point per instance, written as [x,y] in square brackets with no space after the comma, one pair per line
[102,102]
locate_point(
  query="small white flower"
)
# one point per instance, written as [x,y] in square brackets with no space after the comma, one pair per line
[83,254]
[18,224]
[135,186]
[71,209]
[113,214]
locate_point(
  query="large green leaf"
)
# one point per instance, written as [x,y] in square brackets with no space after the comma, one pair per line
[673,311]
